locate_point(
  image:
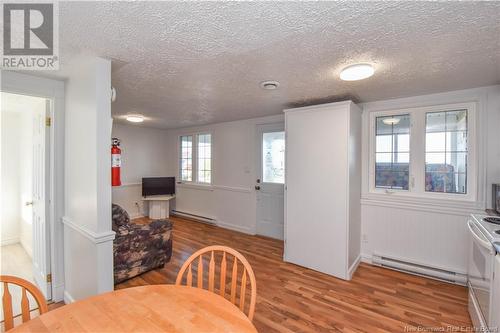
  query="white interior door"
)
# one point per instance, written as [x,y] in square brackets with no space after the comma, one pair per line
[41,232]
[270,184]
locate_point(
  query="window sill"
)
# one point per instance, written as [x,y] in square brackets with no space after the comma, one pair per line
[428,203]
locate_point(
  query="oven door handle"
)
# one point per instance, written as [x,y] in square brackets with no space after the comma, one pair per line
[487,245]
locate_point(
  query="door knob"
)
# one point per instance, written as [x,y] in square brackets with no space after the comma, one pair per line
[29,203]
[257,187]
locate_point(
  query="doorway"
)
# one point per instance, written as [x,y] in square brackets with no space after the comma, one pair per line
[25,189]
[271,180]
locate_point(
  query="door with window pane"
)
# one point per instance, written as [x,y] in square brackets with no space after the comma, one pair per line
[271,179]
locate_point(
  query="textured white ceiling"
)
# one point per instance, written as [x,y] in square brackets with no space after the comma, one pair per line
[189,63]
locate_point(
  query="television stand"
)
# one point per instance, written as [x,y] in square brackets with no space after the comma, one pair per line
[159,206]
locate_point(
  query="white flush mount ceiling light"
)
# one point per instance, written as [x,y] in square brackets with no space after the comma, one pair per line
[135,118]
[391,121]
[357,72]
[269,85]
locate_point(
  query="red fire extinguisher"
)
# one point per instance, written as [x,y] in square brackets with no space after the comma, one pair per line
[116,162]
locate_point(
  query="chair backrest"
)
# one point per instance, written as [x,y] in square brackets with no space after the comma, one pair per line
[25,305]
[225,253]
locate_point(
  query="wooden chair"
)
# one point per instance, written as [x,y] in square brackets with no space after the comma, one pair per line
[238,258]
[25,306]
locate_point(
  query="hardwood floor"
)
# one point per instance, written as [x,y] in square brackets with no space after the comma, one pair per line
[291,298]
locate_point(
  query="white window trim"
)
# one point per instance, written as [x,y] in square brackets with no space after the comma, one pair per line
[194,156]
[417,153]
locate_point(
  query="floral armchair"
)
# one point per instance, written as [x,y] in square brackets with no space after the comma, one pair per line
[139,248]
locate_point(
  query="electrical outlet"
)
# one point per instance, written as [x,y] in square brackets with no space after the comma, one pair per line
[364,238]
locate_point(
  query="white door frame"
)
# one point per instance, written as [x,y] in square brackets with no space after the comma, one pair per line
[24,84]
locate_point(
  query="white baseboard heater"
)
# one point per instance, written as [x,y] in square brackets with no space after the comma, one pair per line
[196,217]
[419,269]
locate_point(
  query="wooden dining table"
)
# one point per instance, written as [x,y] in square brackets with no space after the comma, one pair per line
[155,308]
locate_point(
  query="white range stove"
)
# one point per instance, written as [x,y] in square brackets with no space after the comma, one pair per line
[484,272]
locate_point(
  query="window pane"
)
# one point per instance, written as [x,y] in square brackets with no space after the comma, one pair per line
[403,142]
[446,152]
[433,160]
[186,158]
[204,158]
[273,157]
[435,142]
[384,143]
[402,160]
[392,151]
[435,122]
[456,120]
[458,161]
[456,141]
[383,158]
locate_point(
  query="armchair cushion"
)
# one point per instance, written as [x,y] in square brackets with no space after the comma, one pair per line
[139,248]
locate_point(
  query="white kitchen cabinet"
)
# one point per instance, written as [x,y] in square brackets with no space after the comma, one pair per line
[323,187]
[495,297]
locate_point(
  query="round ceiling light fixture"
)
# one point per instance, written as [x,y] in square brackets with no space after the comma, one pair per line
[135,118]
[391,121]
[269,85]
[357,72]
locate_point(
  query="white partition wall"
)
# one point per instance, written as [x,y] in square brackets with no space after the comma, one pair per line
[88,238]
[322,196]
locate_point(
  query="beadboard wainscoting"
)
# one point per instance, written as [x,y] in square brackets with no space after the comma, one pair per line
[89,261]
[415,235]
[230,207]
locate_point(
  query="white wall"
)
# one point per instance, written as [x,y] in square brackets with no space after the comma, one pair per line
[144,154]
[10,215]
[231,199]
[17,163]
[428,231]
[88,246]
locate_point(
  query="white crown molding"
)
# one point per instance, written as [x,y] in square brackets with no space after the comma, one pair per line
[94,237]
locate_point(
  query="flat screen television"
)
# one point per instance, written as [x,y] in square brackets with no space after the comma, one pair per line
[158,186]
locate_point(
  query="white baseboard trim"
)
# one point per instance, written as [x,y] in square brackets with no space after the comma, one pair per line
[58,293]
[366,258]
[68,298]
[354,266]
[245,230]
[27,248]
[94,237]
[9,241]
[136,216]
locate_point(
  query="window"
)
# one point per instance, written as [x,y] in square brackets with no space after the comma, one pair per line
[186,164]
[196,154]
[446,152]
[273,157]
[392,152]
[204,158]
[425,152]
